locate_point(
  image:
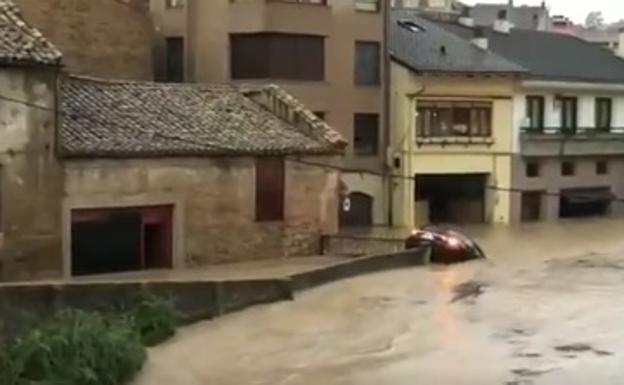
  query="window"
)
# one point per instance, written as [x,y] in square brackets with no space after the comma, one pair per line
[535,112]
[174,54]
[277,56]
[367,5]
[269,189]
[367,63]
[366,134]
[602,167]
[439,119]
[174,4]
[567,168]
[603,113]
[568,114]
[532,169]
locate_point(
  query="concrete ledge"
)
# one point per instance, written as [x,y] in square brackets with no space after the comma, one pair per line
[22,304]
[358,266]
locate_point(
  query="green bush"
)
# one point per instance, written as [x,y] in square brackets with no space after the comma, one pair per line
[75,348]
[152,317]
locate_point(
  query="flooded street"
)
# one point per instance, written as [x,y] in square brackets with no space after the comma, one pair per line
[546,308]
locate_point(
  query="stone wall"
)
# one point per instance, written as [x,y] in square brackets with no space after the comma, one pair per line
[104,38]
[214,204]
[31,177]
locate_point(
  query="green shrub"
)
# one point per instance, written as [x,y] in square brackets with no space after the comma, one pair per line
[153,318]
[76,348]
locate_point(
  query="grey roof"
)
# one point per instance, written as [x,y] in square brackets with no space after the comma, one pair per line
[523,17]
[104,118]
[550,55]
[438,50]
[21,43]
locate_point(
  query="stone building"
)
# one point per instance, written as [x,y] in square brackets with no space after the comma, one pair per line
[106,38]
[31,178]
[176,175]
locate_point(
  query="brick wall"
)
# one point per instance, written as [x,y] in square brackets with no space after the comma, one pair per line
[104,38]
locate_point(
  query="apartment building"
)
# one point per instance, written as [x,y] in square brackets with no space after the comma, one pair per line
[568,113]
[330,54]
[451,132]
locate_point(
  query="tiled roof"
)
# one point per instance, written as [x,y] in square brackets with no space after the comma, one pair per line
[429,47]
[550,55]
[104,118]
[21,43]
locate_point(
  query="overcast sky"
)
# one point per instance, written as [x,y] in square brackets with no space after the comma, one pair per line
[577,10]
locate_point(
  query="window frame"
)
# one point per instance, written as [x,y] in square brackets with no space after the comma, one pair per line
[567,172]
[440,119]
[277,55]
[374,120]
[532,169]
[539,102]
[602,167]
[360,74]
[565,103]
[270,197]
[598,118]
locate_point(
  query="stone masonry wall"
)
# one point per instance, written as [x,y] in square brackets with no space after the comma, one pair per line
[31,177]
[215,204]
[103,38]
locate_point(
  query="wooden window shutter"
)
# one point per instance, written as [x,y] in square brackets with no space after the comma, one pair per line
[269,189]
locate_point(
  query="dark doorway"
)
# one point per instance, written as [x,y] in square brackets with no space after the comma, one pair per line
[585,202]
[117,240]
[174,47]
[106,246]
[360,213]
[453,198]
[531,206]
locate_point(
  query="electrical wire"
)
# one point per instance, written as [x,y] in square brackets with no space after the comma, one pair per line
[289,158]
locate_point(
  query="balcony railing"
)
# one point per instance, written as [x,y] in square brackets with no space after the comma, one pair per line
[572,131]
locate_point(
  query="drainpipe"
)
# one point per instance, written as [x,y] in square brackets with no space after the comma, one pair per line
[386,108]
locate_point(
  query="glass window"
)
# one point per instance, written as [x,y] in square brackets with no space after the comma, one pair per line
[532,169]
[603,113]
[366,134]
[602,167]
[277,56]
[439,119]
[367,63]
[535,112]
[568,168]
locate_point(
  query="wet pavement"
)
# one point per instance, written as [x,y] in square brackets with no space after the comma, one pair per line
[546,308]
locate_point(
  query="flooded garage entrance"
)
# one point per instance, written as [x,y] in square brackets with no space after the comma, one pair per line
[121,239]
[453,198]
[585,202]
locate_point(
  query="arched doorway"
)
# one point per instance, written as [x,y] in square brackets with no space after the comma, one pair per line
[360,213]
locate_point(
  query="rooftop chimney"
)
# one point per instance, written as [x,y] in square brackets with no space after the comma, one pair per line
[479,39]
[465,18]
[620,49]
[502,24]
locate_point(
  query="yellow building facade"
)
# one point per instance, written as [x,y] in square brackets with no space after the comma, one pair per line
[451,147]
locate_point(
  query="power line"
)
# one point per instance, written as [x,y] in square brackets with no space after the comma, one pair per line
[290,158]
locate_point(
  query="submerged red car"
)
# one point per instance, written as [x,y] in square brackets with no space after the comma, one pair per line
[447,245]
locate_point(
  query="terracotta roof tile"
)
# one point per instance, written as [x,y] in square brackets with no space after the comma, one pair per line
[140,119]
[21,43]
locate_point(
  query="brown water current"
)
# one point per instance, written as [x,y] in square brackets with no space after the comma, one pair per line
[547,307]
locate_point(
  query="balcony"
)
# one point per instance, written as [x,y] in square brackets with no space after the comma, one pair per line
[581,141]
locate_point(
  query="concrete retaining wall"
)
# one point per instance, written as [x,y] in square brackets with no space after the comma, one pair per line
[23,304]
[360,245]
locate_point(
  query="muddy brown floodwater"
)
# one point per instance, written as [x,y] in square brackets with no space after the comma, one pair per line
[546,308]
